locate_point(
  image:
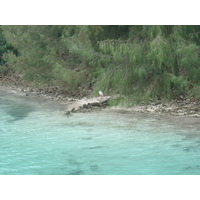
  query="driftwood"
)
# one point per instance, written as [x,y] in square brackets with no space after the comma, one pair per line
[99,101]
[88,104]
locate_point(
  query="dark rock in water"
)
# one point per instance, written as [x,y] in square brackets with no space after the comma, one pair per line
[94,167]
[73,109]
[68,113]
[191,167]
[186,149]
[74,162]
[76,172]
[85,106]
[175,145]
[187,168]
[87,138]
[97,147]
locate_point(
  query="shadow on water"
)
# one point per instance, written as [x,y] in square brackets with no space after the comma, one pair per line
[19,112]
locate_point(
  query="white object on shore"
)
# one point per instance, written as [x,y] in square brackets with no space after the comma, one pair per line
[100,93]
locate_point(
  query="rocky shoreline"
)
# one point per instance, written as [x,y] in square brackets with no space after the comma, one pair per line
[183,107]
[177,108]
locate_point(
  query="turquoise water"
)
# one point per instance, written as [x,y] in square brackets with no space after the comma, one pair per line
[37,138]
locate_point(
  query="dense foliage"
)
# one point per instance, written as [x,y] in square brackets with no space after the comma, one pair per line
[137,62]
[4,48]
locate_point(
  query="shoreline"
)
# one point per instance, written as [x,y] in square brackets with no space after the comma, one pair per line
[159,112]
[188,108]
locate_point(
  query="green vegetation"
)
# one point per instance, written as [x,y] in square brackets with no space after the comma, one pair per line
[138,63]
[4,48]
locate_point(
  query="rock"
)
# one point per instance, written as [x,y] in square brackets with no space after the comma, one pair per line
[13,92]
[85,106]
[150,110]
[68,113]
[195,115]
[73,109]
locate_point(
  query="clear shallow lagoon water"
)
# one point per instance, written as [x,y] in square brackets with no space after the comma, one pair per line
[36,138]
